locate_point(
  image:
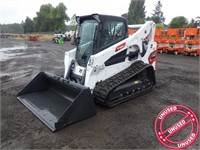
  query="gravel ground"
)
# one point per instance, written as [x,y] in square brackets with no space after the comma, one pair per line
[127,126]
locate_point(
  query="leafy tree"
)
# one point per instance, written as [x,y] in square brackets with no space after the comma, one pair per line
[50,18]
[61,17]
[197,21]
[194,23]
[157,16]
[73,23]
[43,21]
[125,16]
[12,28]
[159,26]
[73,20]
[136,12]
[36,25]
[28,25]
[178,22]
[191,24]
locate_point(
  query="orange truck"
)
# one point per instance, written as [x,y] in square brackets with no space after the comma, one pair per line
[161,39]
[192,43]
[176,41]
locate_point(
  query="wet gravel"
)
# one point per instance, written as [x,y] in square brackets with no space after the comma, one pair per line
[127,126]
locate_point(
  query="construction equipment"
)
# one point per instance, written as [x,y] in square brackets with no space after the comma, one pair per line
[192,43]
[108,66]
[59,38]
[162,40]
[176,41]
[132,29]
[33,37]
[157,36]
[69,35]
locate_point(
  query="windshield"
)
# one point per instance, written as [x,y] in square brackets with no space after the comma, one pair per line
[86,39]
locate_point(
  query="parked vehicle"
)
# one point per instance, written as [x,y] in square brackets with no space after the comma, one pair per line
[161,38]
[192,43]
[176,41]
[108,66]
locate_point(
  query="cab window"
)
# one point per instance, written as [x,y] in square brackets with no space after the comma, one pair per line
[112,33]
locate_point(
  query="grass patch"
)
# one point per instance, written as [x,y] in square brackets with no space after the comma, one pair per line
[45,37]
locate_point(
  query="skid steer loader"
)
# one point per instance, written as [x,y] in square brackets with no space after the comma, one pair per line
[108,67]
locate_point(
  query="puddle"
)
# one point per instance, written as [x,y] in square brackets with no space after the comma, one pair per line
[12,48]
[4,55]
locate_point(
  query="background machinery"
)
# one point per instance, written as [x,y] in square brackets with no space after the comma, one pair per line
[192,42]
[108,66]
[132,29]
[176,40]
[33,37]
[161,38]
[60,38]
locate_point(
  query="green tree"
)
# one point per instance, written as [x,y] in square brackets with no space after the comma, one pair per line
[125,16]
[178,22]
[159,26]
[11,28]
[157,16]
[50,18]
[136,12]
[73,20]
[36,26]
[28,25]
[192,23]
[61,17]
[197,22]
[73,23]
[43,21]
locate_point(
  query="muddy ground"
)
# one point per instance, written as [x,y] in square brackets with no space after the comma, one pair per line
[127,126]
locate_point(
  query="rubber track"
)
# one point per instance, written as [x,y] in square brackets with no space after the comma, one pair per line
[103,88]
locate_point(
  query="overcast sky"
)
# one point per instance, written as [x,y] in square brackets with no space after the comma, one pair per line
[14,11]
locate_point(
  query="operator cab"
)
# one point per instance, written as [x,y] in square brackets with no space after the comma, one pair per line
[96,33]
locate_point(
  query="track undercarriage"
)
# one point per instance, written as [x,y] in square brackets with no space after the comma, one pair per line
[136,80]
